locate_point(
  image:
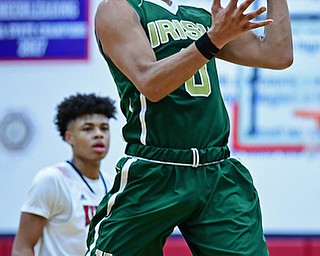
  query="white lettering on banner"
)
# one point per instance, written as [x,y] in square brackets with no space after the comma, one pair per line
[57,30]
[35,10]
[32,47]
[63,29]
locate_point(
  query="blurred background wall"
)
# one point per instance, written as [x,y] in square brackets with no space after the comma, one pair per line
[49,52]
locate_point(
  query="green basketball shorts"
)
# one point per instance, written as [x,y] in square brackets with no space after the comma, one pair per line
[215,206]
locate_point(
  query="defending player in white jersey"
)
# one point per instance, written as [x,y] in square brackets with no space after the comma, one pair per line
[63,197]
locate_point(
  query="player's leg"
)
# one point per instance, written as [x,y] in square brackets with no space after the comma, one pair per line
[143,208]
[154,247]
[230,222]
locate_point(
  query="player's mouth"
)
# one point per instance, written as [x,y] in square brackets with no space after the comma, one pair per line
[99,147]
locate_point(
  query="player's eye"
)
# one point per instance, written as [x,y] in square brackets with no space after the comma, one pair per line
[105,128]
[87,129]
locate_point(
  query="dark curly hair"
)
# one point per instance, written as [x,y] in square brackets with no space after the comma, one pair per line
[78,105]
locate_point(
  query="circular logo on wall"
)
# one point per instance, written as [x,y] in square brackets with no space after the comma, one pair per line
[16,130]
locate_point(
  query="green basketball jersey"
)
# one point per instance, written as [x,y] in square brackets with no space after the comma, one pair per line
[194,115]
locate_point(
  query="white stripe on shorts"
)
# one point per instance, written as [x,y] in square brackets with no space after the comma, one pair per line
[111,201]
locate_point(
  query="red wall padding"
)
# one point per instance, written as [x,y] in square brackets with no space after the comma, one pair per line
[6,245]
[278,246]
[176,246]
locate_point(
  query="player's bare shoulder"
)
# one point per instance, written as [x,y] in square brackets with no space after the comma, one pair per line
[105,7]
[113,6]
[106,4]
[113,12]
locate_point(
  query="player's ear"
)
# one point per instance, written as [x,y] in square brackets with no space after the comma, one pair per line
[68,137]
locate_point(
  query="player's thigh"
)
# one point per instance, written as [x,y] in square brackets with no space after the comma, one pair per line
[143,213]
[230,223]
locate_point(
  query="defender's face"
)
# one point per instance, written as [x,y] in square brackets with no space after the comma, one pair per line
[89,136]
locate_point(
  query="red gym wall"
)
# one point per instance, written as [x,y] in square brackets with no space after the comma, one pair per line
[176,246]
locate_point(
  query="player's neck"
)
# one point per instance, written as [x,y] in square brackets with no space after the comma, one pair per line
[88,169]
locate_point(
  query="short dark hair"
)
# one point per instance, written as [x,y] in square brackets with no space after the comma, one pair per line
[78,105]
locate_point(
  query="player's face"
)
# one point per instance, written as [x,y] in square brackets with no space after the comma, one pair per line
[89,136]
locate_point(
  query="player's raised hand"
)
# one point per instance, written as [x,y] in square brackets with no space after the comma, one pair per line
[232,21]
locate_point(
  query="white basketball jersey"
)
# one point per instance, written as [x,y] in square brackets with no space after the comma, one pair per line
[59,194]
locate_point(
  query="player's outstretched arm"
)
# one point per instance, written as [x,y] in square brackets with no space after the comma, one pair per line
[274,50]
[124,41]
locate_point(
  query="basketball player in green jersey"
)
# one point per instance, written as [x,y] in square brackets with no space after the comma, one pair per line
[177,171]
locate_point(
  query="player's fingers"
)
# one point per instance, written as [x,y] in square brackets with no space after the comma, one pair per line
[216,5]
[259,24]
[244,6]
[232,5]
[256,13]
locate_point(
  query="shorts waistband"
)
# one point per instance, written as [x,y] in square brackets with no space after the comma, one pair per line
[193,157]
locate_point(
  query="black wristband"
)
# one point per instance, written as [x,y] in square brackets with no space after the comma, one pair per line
[206,47]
